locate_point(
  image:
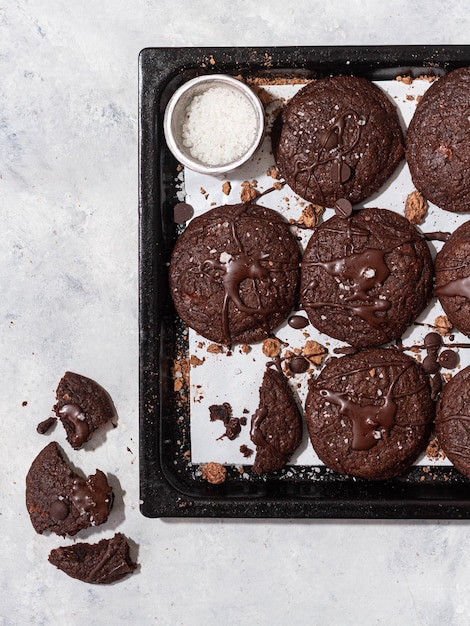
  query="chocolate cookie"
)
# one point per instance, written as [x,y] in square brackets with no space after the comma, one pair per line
[452,426]
[438,144]
[452,268]
[364,279]
[100,563]
[369,414]
[234,273]
[338,137]
[60,501]
[276,427]
[82,407]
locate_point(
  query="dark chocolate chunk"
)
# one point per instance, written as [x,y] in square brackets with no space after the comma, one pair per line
[369,414]
[82,406]
[182,212]
[45,426]
[61,501]
[101,563]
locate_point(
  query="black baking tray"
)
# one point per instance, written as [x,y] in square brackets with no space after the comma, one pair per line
[169,485]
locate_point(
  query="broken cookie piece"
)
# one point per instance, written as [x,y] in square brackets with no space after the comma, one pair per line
[276,427]
[61,501]
[82,406]
[101,563]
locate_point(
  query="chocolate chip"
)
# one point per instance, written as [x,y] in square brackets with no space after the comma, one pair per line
[298,322]
[298,364]
[340,171]
[59,510]
[343,208]
[430,364]
[432,340]
[182,212]
[449,359]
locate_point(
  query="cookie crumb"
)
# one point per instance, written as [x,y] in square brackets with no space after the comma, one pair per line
[195,361]
[416,207]
[314,352]
[311,215]
[271,347]
[226,188]
[249,191]
[407,80]
[214,473]
[433,451]
[443,325]
[215,348]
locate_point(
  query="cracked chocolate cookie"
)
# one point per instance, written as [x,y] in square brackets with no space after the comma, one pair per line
[452,426]
[61,501]
[369,414]
[338,137]
[82,406]
[438,145]
[100,563]
[365,278]
[234,273]
[452,269]
[276,426]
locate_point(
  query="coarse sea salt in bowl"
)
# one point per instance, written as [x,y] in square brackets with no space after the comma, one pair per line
[214,123]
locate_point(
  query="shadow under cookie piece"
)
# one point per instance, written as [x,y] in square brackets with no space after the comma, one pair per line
[338,137]
[438,145]
[234,273]
[369,414]
[61,501]
[452,426]
[365,278]
[101,563]
[82,406]
[452,269]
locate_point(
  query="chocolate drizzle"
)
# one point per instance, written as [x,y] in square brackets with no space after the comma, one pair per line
[332,150]
[456,287]
[93,497]
[363,271]
[373,421]
[257,437]
[233,269]
[73,414]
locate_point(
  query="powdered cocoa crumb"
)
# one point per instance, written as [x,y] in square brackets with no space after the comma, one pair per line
[443,325]
[195,361]
[273,172]
[249,191]
[271,347]
[214,473]
[314,352]
[434,451]
[415,207]
[215,348]
[226,188]
[311,215]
